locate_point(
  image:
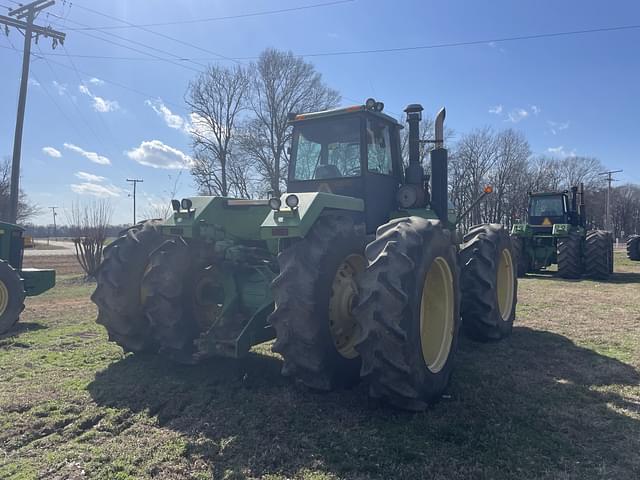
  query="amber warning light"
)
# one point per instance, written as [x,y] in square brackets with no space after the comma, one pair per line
[488,189]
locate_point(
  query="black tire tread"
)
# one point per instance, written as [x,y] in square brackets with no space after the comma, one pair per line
[299,334]
[570,256]
[117,289]
[633,247]
[384,301]
[596,254]
[479,308]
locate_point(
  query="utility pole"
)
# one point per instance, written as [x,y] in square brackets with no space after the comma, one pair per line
[55,233]
[607,214]
[135,181]
[28,12]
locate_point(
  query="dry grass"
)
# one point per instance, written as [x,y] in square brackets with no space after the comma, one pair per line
[560,399]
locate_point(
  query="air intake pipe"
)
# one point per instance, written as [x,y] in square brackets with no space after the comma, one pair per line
[439,170]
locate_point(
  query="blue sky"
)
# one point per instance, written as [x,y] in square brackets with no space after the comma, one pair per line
[570,95]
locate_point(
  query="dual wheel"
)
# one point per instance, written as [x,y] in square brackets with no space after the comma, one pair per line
[393,317]
[154,294]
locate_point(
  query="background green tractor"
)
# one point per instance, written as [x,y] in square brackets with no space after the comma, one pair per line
[633,247]
[556,234]
[16,282]
[357,271]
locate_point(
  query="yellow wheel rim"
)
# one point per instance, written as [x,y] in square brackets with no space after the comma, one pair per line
[505,287]
[342,322]
[437,321]
[144,292]
[4,297]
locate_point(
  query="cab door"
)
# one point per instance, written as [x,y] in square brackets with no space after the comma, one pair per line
[380,165]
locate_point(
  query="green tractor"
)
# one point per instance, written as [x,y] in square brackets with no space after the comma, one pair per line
[556,234]
[633,247]
[16,282]
[357,271]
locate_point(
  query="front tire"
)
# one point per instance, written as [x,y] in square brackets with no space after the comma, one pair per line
[409,312]
[313,294]
[597,246]
[489,283]
[12,296]
[569,256]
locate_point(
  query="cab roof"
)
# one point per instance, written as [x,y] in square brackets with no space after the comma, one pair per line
[335,112]
[548,194]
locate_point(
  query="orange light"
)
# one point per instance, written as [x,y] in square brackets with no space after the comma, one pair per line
[299,117]
[353,109]
[488,189]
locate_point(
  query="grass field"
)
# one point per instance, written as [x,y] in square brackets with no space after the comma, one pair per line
[560,399]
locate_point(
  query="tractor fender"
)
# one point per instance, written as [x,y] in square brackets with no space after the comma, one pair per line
[296,222]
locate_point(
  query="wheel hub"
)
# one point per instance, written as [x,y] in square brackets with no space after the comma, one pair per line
[4,297]
[505,283]
[436,315]
[344,291]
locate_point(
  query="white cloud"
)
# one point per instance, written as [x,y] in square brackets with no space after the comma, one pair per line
[561,152]
[171,119]
[535,109]
[33,82]
[52,152]
[96,81]
[518,115]
[91,156]
[90,177]
[557,127]
[154,153]
[96,190]
[61,88]
[497,110]
[100,104]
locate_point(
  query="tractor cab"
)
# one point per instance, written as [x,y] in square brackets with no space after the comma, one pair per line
[547,209]
[353,151]
[551,208]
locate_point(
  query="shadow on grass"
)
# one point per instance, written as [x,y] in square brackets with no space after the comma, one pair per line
[533,405]
[21,327]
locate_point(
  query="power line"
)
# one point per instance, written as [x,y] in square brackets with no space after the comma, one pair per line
[213,19]
[162,35]
[371,51]
[135,181]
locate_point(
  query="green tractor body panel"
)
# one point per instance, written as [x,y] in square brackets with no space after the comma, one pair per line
[296,222]
[35,281]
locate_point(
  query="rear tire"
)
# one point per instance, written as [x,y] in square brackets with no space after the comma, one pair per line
[596,255]
[520,255]
[633,247]
[169,308]
[118,291]
[409,312]
[489,283]
[11,296]
[569,256]
[302,293]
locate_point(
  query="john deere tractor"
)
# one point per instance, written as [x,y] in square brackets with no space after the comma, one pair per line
[556,234]
[357,271]
[633,247]
[16,282]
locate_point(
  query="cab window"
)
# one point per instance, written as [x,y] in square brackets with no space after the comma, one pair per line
[328,149]
[547,207]
[378,147]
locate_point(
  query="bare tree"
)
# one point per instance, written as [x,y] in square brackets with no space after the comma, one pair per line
[280,83]
[160,208]
[216,99]
[88,224]
[26,209]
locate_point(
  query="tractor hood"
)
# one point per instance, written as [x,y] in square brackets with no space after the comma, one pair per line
[297,221]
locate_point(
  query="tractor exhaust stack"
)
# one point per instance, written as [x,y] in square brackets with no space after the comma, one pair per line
[439,170]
